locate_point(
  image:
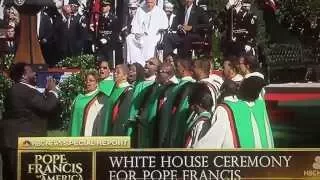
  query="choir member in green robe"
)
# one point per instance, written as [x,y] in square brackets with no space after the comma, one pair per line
[87,109]
[180,110]
[141,95]
[242,122]
[106,83]
[120,110]
[136,73]
[163,117]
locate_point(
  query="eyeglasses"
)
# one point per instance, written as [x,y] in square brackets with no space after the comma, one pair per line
[103,68]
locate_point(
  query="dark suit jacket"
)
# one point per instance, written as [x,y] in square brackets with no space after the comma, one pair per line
[26,114]
[69,37]
[10,46]
[198,19]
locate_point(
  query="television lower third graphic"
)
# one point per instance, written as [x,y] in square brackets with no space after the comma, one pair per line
[98,158]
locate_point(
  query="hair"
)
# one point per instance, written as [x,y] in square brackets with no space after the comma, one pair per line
[228,88]
[17,71]
[186,64]
[139,71]
[252,62]
[101,60]
[93,73]
[201,95]
[124,68]
[157,61]
[234,62]
[250,88]
[204,64]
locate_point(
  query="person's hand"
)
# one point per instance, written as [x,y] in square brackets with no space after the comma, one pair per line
[187,28]
[51,84]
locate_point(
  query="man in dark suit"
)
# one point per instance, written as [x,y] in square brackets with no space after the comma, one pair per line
[190,22]
[10,44]
[46,37]
[26,113]
[69,31]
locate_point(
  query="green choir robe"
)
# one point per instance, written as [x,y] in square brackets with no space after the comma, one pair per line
[139,96]
[80,108]
[110,103]
[251,124]
[178,125]
[120,113]
[107,86]
[164,115]
[147,116]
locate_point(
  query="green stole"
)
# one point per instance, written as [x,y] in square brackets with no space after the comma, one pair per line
[120,123]
[243,116]
[147,118]
[78,109]
[179,121]
[138,97]
[107,124]
[106,86]
[164,116]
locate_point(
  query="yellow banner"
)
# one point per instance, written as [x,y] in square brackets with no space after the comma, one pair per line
[73,143]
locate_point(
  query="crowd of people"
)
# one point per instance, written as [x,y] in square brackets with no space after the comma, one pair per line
[176,105]
[161,105]
[122,32]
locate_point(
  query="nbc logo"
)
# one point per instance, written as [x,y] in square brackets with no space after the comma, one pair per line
[316,168]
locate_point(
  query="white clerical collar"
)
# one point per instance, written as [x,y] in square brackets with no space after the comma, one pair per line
[188,78]
[108,78]
[257,74]
[151,78]
[206,80]
[237,78]
[92,92]
[174,80]
[250,103]
[123,85]
[231,98]
[29,85]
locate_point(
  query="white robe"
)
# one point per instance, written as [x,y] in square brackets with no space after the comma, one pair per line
[147,24]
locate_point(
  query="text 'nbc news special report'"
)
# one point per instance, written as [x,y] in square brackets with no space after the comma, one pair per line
[123,163]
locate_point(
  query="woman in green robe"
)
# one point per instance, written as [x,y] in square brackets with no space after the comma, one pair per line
[87,116]
[106,83]
[136,74]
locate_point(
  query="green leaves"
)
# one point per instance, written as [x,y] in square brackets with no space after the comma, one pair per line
[86,61]
[5,84]
[69,89]
[6,61]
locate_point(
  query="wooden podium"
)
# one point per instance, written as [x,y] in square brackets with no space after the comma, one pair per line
[29,50]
